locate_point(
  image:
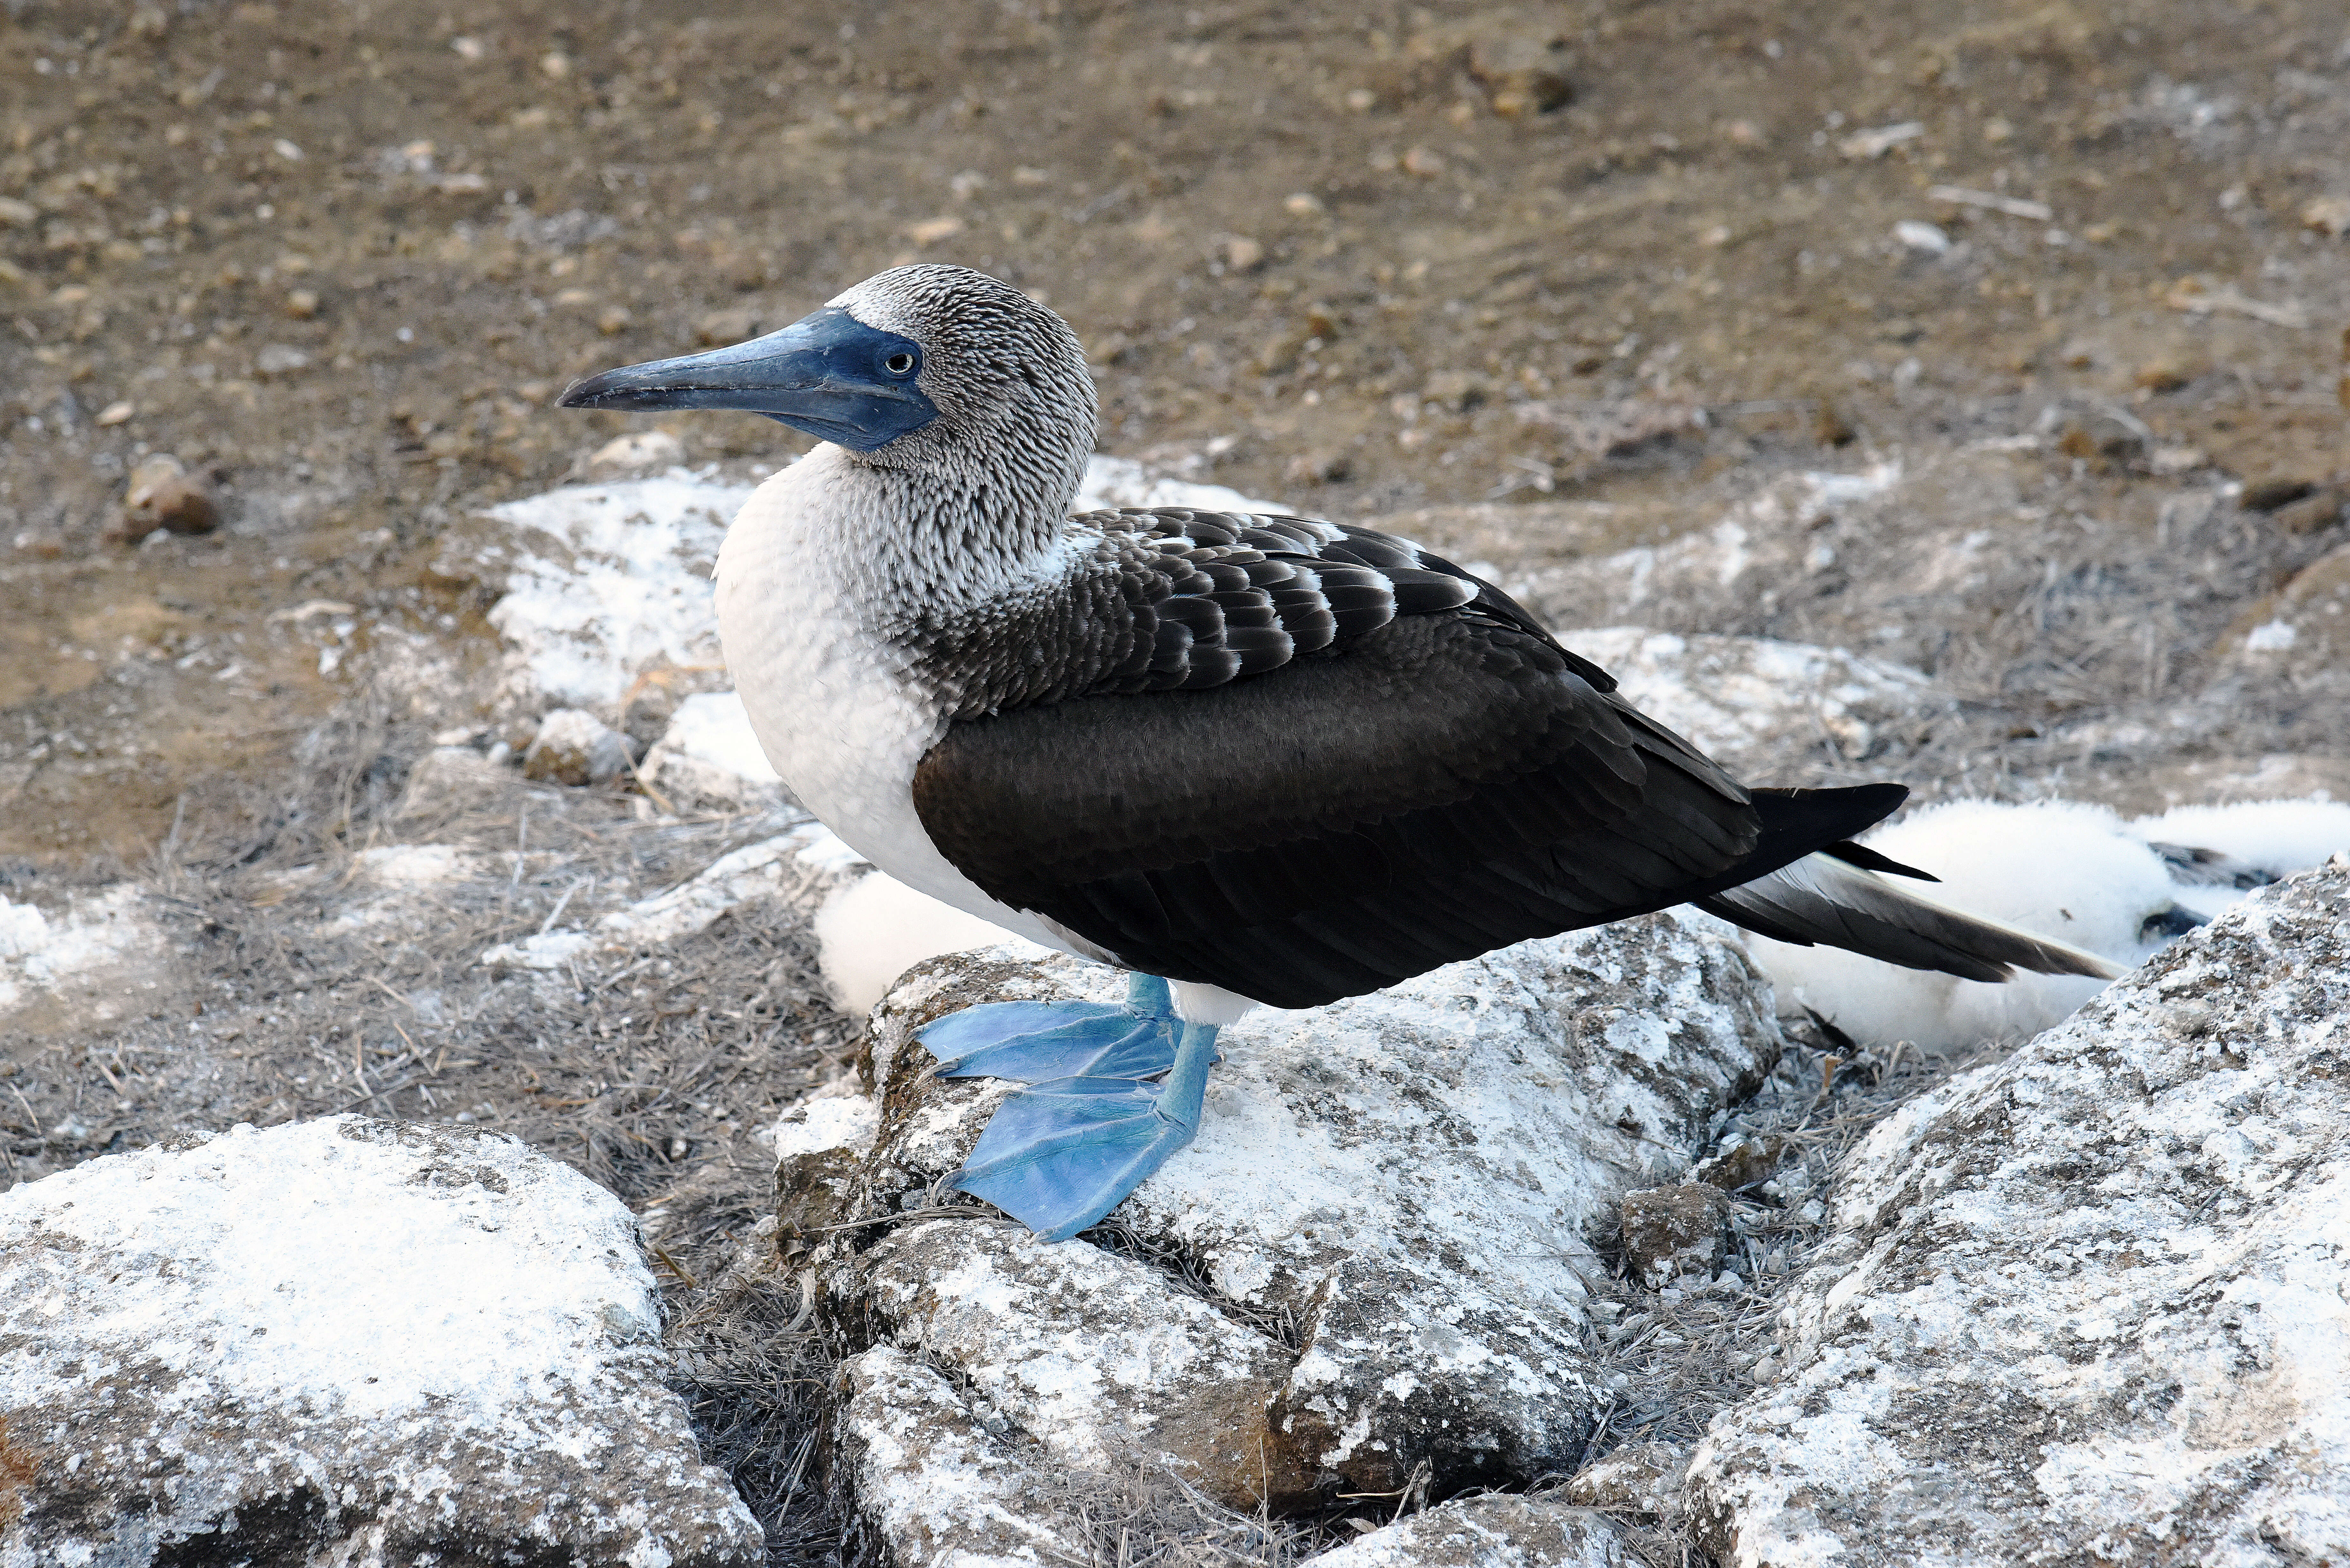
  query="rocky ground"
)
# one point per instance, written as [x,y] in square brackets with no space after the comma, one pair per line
[2001,349]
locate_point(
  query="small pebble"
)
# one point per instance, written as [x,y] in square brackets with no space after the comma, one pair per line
[930,230]
[1523,75]
[614,319]
[721,327]
[163,494]
[1319,467]
[302,304]
[2328,215]
[116,413]
[1922,236]
[1457,392]
[280,360]
[574,747]
[1424,162]
[1242,254]
[639,451]
[1303,204]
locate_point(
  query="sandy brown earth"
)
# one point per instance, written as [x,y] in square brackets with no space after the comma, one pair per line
[1606,268]
[340,259]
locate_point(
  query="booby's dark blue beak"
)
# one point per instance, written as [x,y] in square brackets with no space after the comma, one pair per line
[827,373]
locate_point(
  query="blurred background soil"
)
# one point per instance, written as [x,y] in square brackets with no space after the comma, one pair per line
[337,257]
[1543,282]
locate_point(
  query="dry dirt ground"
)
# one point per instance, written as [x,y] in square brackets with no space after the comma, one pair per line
[1606,267]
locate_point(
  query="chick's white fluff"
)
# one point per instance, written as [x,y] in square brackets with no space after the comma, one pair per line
[876,929]
[2060,869]
[2275,837]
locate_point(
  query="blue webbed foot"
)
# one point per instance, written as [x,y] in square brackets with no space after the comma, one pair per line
[1037,1041]
[1060,1155]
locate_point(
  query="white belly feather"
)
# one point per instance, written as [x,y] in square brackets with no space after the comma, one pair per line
[825,697]
[829,700]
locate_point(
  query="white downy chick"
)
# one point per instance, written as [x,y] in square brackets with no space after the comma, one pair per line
[876,929]
[2058,870]
[2218,853]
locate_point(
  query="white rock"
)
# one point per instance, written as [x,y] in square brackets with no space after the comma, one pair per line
[1122,482]
[608,580]
[1714,577]
[638,451]
[94,955]
[1752,703]
[1492,1531]
[1408,1178]
[1102,1358]
[416,865]
[823,1123]
[24,931]
[1922,236]
[2091,1304]
[802,863]
[403,1341]
[709,756]
[874,930]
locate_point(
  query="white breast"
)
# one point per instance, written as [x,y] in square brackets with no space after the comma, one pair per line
[826,694]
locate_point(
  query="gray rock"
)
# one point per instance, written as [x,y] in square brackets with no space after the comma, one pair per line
[1640,1480]
[2086,1304]
[2296,637]
[1101,1357]
[575,747]
[1525,74]
[1753,702]
[707,757]
[1496,1531]
[933,1480]
[1747,1163]
[1675,1230]
[1405,1295]
[341,1340]
[447,782]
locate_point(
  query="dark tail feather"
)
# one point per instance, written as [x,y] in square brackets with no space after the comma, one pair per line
[1795,822]
[1823,898]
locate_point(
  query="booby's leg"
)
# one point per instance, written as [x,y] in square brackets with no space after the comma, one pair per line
[1036,1042]
[1058,1156]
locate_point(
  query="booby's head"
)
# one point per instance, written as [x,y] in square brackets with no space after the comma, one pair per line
[937,368]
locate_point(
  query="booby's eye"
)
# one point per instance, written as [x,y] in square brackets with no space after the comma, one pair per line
[899,364]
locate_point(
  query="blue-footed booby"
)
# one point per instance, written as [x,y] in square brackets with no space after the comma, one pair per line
[1250,759]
